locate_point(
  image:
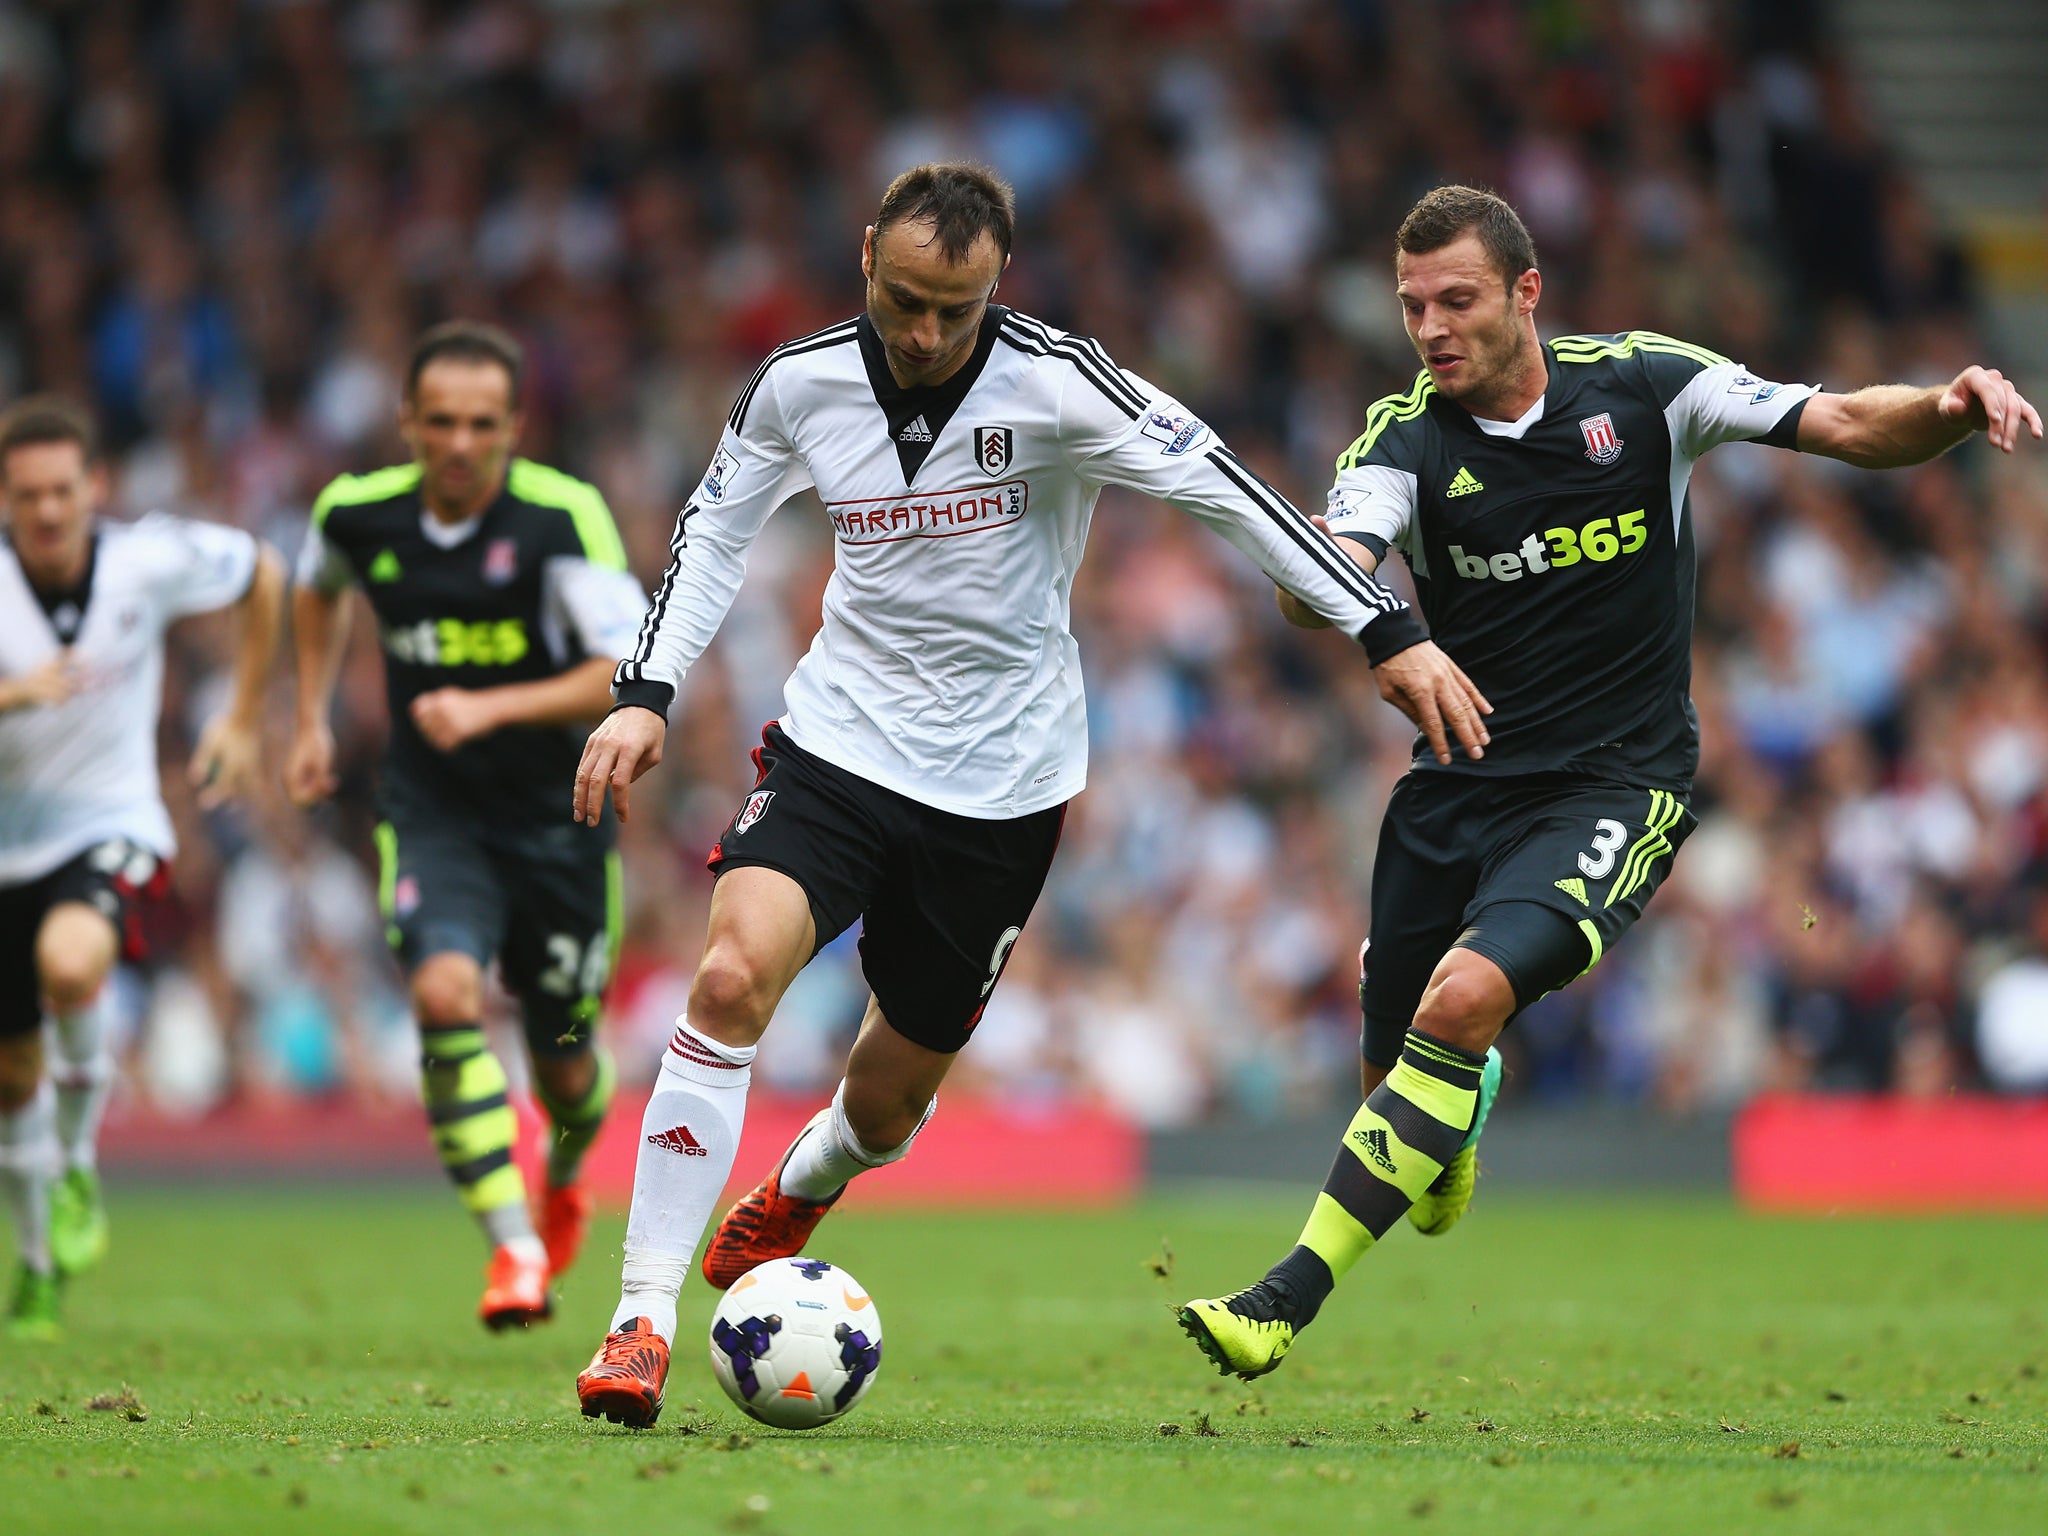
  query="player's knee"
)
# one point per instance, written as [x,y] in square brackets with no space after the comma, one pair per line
[1468,1000]
[731,998]
[70,966]
[448,989]
[21,1069]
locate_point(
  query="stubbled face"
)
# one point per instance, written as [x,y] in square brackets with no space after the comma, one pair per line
[462,429]
[51,493]
[1469,327]
[926,309]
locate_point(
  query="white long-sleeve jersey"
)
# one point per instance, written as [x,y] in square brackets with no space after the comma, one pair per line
[945,668]
[83,772]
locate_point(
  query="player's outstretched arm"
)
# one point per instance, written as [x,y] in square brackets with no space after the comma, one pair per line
[625,745]
[1298,613]
[1889,426]
[225,763]
[319,636]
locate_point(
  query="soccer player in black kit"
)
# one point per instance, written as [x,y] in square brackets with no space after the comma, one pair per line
[502,602]
[1538,495]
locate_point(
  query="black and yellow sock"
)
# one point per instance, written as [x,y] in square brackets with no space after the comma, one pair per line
[472,1119]
[576,1122]
[1396,1145]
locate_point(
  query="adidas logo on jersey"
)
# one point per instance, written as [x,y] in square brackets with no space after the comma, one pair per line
[1376,1147]
[1574,888]
[1463,483]
[386,567]
[916,432]
[678,1139]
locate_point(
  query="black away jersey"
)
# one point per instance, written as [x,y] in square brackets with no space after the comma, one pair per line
[1554,555]
[533,585]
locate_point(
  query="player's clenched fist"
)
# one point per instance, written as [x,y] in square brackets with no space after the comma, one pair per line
[309,775]
[1433,691]
[623,747]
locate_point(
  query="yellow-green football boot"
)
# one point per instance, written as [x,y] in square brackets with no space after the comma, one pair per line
[1243,1333]
[1450,1195]
[32,1315]
[78,1222]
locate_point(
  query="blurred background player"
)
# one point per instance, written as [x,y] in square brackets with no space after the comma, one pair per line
[1539,495]
[83,830]
[503,603]
[936,729]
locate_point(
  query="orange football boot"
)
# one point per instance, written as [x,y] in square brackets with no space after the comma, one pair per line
[764,1225]
[515,1292]
[624,1379]
[564,1223]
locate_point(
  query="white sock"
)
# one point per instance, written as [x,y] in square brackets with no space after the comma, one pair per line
[511,1226]
[688,1140]
[28,1166]
[84,1075]
[828,1154]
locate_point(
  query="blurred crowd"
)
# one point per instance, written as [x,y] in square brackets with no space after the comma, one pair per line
[222,222]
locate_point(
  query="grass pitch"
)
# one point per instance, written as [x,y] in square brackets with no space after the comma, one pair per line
[308,1362]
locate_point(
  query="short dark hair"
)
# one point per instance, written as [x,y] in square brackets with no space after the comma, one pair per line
[1451,212]
[467,341]
[962,200]
[35,419]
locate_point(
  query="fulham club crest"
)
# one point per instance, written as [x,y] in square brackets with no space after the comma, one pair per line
[993,447]
[755,808]
[1602,446]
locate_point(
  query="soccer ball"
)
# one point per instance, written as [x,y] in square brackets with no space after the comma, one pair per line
[796,1342]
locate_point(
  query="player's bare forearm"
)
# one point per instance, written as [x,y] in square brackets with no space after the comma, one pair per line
[1889,426]
[574,697]
[229,753]
[262,615]
[319,636]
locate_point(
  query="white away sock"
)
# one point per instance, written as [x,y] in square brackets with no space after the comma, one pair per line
[84,1074]
[28,1166]
[828,1154]
[688,1140]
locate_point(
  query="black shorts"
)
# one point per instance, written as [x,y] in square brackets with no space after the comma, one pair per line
[542,899]
[114,878]
[943,896]
[1542,874]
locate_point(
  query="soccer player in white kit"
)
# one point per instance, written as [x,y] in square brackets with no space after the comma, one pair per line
[83,830]
[936,728]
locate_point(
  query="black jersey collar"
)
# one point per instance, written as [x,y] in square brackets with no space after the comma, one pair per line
[917,416]
[65,607]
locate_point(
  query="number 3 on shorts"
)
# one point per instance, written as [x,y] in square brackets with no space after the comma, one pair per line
[1608,836]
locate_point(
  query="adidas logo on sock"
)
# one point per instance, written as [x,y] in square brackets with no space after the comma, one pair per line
[1464,483]
[1574,888]
[1375,1143]
[916,432]
[680,1140]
